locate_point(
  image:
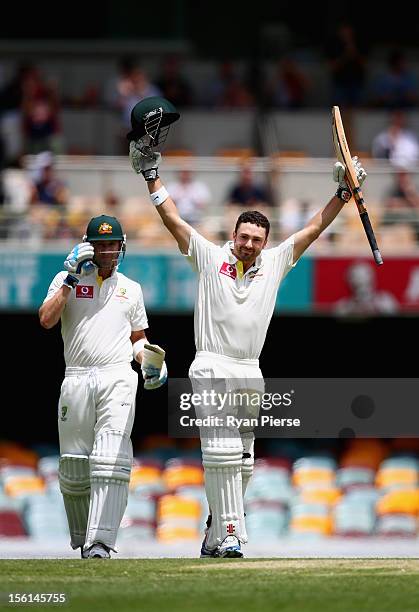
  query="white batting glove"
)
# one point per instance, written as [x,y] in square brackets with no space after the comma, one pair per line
[80,260]
[344,191]
[153,366]
[143,162]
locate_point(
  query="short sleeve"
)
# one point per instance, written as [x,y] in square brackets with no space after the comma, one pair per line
[55,286]
[282,257]
[201,251]
[138,313]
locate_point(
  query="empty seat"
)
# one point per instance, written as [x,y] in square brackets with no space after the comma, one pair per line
[351,477]
[180,472]
[21,486]
[266,519]
[396,525]
[45,517]
[313,470]
[269,483]
[352,518]
[320,495]
[235,153]
[397,477]
[11,524]
[310,520]
[14,454]
[146,477]
[178,518]
[399,501]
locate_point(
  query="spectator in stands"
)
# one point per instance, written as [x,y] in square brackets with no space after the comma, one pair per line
[346,57]
[397,87]
[131,86]
[246,193]
[173,84]
[48,188]
[40,114]
[402,202]
[237,95]
[228,90]
[397,143]
[289,86]
[48,212]
[11,101]
[192,196]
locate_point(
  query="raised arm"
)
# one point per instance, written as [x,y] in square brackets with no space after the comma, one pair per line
[318,223]
[148,167]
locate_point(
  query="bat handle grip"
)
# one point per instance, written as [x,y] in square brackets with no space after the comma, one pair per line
[377,257]
[371,238]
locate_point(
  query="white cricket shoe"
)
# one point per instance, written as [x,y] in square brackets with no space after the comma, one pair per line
[229,548]
[96,551]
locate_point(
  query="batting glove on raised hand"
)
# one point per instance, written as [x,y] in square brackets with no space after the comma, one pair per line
[344,192]
[79,261]
[143,162]
[153,366]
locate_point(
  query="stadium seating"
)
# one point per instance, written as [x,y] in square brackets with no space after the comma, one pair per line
[139,518]
[354,514]
[178,518]
[182,472]
[306,496]
[310,520]
[354,477]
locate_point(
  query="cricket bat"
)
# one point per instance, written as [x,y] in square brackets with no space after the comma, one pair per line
[344,156]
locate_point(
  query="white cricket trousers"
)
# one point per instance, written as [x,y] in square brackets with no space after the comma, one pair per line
[227,451]
[93,401]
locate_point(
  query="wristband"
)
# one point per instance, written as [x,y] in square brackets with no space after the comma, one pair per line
[70,281]
[343,194]
[138,346]
[159,196]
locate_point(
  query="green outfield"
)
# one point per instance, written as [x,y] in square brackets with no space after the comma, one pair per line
[263,585]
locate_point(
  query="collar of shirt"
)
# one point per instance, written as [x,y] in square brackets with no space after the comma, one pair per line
[228,247]
[113,278]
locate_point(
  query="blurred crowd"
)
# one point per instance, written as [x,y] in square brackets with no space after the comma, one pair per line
[32,100]
[37,204]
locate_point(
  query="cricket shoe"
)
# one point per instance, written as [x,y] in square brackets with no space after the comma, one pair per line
[229,548]
[96,551]
[207,553]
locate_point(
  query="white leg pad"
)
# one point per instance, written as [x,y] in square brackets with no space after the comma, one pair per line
[110,471]
[74,479]
[222,453]
[248,460]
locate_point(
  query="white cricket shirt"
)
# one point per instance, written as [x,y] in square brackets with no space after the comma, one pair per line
[98,319]
[233,311]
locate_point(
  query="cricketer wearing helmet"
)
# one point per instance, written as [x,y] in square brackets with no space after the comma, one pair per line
[103,319]
[236,296]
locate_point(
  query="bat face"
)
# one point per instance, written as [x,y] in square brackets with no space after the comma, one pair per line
[342,151]
[344,156]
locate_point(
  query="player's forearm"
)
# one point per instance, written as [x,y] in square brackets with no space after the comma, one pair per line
[169,214]
[324,217]
[51,311]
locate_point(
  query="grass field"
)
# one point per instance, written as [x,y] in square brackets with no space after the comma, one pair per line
[263,585]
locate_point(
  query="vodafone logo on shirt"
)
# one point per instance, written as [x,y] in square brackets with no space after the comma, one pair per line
[84,291]
[228,270]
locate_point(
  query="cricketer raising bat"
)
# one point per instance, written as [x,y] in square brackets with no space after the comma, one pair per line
[344,156]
